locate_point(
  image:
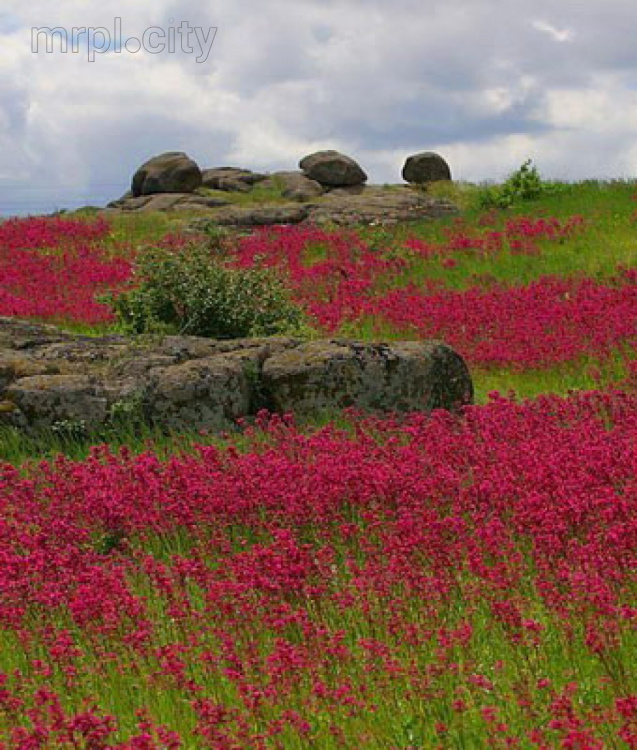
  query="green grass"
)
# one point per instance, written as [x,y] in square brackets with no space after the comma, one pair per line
[419,696]
[608,240]
[136,228]
[405,716]
[17,448]
[260,194]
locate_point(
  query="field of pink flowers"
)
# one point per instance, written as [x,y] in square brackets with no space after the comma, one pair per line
[442,581]
[547,322]
[53,269]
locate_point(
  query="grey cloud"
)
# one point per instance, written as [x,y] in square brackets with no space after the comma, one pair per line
[466,76]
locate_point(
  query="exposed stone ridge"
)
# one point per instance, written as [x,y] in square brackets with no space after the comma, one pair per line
[52,378]
[348,206]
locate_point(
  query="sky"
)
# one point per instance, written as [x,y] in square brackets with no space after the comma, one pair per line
[485,83]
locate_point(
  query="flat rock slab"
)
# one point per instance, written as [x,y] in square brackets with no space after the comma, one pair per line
[343,206]
[51,379]
[262,215]
[378,206]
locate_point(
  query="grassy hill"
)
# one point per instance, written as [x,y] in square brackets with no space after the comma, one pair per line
[448,582]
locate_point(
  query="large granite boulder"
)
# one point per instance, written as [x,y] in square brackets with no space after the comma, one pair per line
[53,379]
[172,172]
[426,167]
[332,168]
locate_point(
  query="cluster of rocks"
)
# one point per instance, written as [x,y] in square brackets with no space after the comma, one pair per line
[329,188]
[51,379]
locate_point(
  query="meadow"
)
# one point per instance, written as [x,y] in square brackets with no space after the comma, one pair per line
[435,581]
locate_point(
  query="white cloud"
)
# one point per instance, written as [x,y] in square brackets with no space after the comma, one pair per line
[487,84]
[564,35]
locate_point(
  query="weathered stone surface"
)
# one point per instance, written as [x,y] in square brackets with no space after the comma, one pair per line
[119,201]
[49,377]
[15,365]
[349,190]
[22,334]
[371,206]
[378,206]
[169,202]
[135,203]
[199,394]
[230,185]
[192,202]
[329,190]
[230,178]
[406,376]
[426,167]
[172,172]
[332,168]
[294,185]
[43,400]
[342,206]
[158,202]
[262,215]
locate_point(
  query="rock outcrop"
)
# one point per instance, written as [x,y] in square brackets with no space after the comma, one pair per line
[402,376]
[231,179]
[332,168]
[330,189]
[348,206]
[263,215]
[294,185]
[167,202]
[172,172]
[372,205]
[426,167]
[52,379]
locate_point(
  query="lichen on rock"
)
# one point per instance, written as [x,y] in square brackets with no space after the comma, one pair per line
[50,377]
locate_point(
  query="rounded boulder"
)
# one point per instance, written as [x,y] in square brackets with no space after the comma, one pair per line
[426,167]
[172,172]
[332,169]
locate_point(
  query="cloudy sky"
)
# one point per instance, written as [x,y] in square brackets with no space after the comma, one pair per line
[486,83]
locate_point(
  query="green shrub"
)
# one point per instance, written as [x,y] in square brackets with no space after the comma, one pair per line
[190,291]
[522,185]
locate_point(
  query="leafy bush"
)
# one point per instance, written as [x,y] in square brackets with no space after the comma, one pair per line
[522,185]
[190,291]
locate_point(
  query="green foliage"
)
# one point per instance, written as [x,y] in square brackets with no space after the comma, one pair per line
[70,429]
[126,410]
[258,194]
[522,185]
[190,291]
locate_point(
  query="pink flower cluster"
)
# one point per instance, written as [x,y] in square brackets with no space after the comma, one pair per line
[548,322]
[518,236]
[453,571]
[39,232]
[52,268]
[332,287]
